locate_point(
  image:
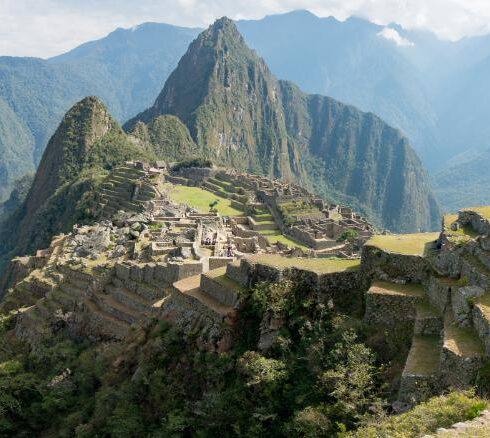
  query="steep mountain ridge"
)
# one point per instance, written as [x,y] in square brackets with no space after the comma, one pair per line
[126,70]
[241,116]
[412,86]
[87,142]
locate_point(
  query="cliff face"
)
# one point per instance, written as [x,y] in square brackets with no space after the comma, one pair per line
[241,116]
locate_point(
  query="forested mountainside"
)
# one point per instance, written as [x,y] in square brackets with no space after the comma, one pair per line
[411,82]
[87,143]
[241,116]
[465,181]
[126,70]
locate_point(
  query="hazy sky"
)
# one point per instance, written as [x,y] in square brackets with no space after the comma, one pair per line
[49,27]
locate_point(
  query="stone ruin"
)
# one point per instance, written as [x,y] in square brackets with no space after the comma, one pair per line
[167,260]
[314,223]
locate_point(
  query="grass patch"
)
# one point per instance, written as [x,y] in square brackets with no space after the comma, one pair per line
[388,288]
[462,341]
[427,417]
[323,265]
[465,232]
[274,236]
[419,244]
[423,358]
[200,199]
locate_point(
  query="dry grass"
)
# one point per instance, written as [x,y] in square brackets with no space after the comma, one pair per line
[418,244]
[387,288]
[461,341]
[423,358]
[320,265]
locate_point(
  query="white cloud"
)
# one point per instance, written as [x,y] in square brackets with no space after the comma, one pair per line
[392,35]
[48,27]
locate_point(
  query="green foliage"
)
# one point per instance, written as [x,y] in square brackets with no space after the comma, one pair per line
[262,371]
[349,235]
[193,162]
[427,417]
[463,281]
[212,206]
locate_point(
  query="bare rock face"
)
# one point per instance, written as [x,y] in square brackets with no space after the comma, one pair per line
[269,330]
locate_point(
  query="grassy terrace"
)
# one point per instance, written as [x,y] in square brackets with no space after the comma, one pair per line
[274,236]
[423,358]
[418,244]
[200,199]
[322,266]
[387,288]
[462,341]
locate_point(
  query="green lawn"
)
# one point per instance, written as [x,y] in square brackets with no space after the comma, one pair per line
[407,244]
[200,199]
[321,265]
[466,232]
[389,288]
[461,340]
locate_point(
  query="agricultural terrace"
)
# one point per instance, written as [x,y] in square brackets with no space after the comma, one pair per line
[319,265]
[418,244]
[200,200]
[275,235]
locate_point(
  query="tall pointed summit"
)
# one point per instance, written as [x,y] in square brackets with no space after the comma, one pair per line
[240,115]
[82,126]
[230,102]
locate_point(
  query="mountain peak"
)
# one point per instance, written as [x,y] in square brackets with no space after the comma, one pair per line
[83,125]
[222,30]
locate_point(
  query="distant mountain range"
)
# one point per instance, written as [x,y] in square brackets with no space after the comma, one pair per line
[435,91]
[241,116]
[222,102]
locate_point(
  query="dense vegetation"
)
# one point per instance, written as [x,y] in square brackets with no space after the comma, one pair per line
[168,137]
[325,375]
[192,162]
[241,116]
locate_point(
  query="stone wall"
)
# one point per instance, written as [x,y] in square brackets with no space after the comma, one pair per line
[458,371]
[390,309]
[438,291]
[475,220]
[391,266]
[157,274]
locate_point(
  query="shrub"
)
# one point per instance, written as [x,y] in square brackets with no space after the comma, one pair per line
[193,162]
[427,417]
[348,235]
